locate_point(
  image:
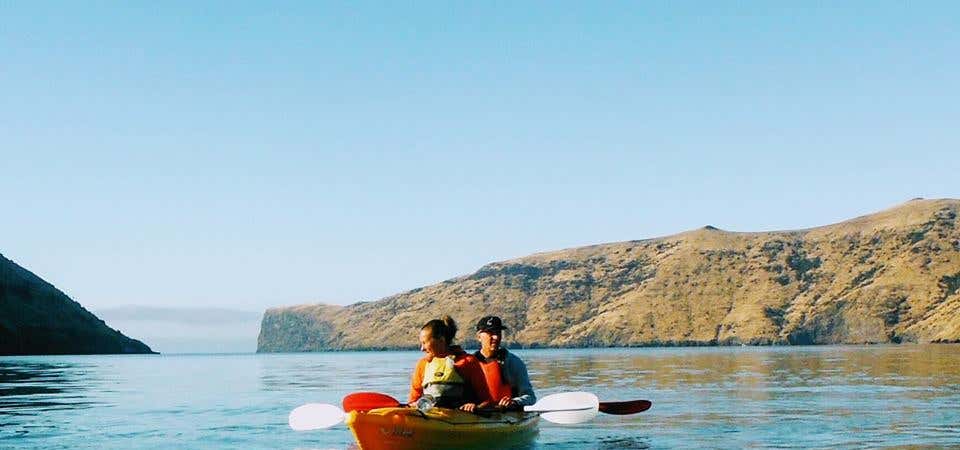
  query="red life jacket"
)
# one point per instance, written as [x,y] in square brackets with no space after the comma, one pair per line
[493,373]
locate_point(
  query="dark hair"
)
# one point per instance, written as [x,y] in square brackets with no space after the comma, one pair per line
[444,326]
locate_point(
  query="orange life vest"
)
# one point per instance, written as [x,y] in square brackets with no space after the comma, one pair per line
[494,375]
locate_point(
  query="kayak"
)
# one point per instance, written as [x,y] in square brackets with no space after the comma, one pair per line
[401,428]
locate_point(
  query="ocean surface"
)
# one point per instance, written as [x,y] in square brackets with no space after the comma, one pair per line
[718,397]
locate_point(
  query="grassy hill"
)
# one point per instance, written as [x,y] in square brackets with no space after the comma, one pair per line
[892,276]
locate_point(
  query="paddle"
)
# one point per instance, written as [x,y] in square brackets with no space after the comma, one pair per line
[365,401]
[561,408]
[624,408]
[314,416]
[567,407]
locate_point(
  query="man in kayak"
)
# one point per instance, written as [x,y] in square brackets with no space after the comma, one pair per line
[506,375]
[450,375]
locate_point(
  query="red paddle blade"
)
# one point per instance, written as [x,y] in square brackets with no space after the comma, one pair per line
[624,408]
[365,401]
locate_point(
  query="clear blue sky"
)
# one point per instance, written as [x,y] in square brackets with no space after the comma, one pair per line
[257,154]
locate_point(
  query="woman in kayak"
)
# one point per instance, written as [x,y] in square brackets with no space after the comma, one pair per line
[452,376]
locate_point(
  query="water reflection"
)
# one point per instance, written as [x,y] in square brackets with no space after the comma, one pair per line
[781,397]
[731,397]
[728,397]
[606,443]
[918,366]
[29,387]
[340,373]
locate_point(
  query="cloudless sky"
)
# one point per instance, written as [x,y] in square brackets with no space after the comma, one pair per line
[258,154]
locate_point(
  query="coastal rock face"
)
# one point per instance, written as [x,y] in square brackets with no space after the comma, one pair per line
[892,276]
[37,319]
[297,329]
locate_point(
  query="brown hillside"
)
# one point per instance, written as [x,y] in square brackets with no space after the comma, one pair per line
[892,276]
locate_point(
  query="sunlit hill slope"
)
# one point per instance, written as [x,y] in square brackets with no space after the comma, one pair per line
[892,276]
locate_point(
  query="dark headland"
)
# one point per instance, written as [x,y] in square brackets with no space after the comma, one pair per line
[36,318]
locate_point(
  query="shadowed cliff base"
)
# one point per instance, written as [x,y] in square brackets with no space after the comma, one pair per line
[888,277]
[37,319]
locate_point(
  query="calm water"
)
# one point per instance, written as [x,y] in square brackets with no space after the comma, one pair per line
[742,397]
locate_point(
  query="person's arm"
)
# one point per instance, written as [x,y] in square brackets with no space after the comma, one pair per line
[520,381]
[416,382]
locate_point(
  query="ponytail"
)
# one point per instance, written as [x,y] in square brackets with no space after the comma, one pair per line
[450,329]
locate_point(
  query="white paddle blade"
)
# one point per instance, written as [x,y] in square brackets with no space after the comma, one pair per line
[314,416]
[570,417]
[568,407]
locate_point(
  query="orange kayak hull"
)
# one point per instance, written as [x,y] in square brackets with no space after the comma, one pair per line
[440,429]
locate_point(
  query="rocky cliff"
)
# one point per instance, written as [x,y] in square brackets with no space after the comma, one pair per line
[37,319]
[892,276]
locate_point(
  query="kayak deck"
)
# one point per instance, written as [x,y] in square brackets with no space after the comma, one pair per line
[439,428]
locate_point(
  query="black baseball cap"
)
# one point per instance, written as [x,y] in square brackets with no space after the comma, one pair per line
[490,323]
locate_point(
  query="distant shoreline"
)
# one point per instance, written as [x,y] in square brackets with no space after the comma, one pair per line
[625,347]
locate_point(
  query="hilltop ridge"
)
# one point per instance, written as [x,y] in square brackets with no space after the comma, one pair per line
[891,276]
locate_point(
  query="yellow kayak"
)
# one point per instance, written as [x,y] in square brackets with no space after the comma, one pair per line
[439,428]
